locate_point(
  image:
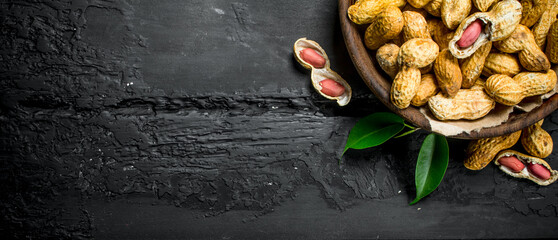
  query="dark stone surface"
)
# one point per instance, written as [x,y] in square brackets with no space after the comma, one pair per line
[191,119]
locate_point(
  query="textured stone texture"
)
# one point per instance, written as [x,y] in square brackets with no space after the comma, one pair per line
[172,119]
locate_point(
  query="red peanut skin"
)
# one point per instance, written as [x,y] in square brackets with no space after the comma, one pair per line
[539,171]
[512,163]
[470,34]
[332,88]
[313,58]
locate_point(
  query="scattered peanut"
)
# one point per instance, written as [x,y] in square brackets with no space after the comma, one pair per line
[537,170]
[536,141]
[481,151]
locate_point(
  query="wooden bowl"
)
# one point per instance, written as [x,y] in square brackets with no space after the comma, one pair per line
[374,77]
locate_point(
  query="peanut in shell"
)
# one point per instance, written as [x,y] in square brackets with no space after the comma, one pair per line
[469,104]
[501,63]
[532,11]
[536,141]
[522,41]
[427,88]
[480,152]
[448,73]
[415,26]
[386,26]
[364,11]
[454,11]
[525,173]
[471,67]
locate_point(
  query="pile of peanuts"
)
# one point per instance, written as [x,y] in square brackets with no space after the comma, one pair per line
[463,57]
[436,51]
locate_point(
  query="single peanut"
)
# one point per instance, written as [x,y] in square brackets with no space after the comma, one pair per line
[539,171]
[364,11]
[387,58]
[469,104]
[512,163]
[530,55]
[427,88]
[387,25]
[510,91]
[405,86]
[454,11]
[501,63]
[536,141]
[552,43]
[332,88]
[313,58]
[481,151]
[499,23]
[420,11]
[448,73]
[415,26]
[471,67]
[470,34]
[532,11]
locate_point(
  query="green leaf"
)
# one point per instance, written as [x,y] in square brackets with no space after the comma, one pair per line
[374,130]
[407,133]
[432,163]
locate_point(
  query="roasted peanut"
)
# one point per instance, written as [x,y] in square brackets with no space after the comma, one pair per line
[501,63]
[420,11]
[536,141]
[364,11]
[427,88]
[469,104]
[471,67]
[510,91]
[324,80]
[497,24]
[512,163]
[418,52]
[530,55]
[387,25]
[448,73]
[454,11]
[434,7]
[481,151]
[540,29]
[405,86]
[537,170]
[439,32]
[387,58]
[532,11]
[331,88]
[415,26]
[312,57]
[483,5]
[552,43]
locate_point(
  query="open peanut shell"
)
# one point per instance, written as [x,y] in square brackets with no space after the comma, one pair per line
[322,73]
[525,173]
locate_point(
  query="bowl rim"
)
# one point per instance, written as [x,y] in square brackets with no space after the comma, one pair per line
[380,86]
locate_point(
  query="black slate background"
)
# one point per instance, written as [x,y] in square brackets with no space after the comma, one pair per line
[191,119]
